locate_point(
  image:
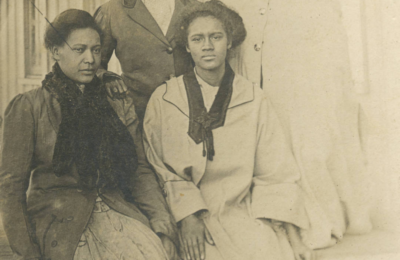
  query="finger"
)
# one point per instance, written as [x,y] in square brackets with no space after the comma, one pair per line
[187,249]
[114,89]
[172,252]
[124,87]
[196,247]
[119,87]
[108,89]
[182,251]
[115,86]
[198,240]
[209,237]
[192,245]
[297,256]
[169,249]
[202,249]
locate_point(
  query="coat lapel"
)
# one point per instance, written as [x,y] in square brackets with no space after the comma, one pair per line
[243,92]
[174,21]
[176,95]
[138,12]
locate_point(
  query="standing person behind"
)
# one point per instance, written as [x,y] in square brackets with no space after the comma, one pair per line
[75,183]
[142,33]
[296,51]
[228,173]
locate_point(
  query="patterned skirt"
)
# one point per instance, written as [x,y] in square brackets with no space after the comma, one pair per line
[113,236]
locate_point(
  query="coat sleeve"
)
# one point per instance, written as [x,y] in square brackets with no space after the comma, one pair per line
[145,188]
[102,17]
[183,196]
[15,167]
[276,194]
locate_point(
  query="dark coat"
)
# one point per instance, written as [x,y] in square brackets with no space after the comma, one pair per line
[44,215]
[147,56]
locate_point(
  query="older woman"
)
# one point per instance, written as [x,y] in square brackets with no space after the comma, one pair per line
[229,177]
[74,180]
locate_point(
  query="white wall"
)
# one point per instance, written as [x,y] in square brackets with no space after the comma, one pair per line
[373,28]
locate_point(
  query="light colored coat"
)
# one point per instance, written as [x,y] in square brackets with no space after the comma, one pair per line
[253,174]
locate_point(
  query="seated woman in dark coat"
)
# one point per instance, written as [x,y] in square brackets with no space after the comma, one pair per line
[75,183]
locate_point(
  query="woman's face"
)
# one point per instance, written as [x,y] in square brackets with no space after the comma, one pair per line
[81,63]
[207,43]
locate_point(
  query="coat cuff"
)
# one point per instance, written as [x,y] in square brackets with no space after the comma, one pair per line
[184,198]
[101,73]
[282,202]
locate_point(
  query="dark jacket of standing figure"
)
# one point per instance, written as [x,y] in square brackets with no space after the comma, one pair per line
[147,56]
[45,215]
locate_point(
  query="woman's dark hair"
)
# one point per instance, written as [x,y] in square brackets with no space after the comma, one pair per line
[232,22]
[57,33]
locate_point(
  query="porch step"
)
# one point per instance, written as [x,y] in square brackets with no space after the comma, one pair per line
[377,245]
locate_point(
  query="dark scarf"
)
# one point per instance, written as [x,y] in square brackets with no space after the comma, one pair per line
[201,122]
[90,136]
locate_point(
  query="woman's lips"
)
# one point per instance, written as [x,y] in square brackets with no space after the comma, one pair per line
[208,57]
[88,71]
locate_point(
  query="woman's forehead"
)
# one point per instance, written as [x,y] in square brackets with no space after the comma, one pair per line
[205,24]
[86,36]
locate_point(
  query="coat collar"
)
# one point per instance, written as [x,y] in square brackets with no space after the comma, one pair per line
[243,92]
[138,12]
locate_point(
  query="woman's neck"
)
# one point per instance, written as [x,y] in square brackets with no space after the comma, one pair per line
[211,77]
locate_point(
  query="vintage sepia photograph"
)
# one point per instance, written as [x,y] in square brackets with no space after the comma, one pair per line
[200,129]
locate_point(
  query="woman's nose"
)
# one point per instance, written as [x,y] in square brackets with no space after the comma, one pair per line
[208,45]
[89,57]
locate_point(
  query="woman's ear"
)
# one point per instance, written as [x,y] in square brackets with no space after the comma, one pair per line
[56,53]
[187,49]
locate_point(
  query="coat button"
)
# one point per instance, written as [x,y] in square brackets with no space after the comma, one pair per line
[170,50]
[164,192]
[257,47]
[70,218]
[262,11]
[54,243]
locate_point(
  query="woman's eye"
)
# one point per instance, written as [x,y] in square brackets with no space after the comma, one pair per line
[96,51]
[217,37]
[79,50]
[196,39]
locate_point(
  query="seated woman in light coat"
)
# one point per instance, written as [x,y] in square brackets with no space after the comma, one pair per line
[229,177]
[75,183]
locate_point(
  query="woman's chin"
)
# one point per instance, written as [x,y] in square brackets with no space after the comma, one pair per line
[84,79]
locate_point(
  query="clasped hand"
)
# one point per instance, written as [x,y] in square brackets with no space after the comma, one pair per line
[115,86]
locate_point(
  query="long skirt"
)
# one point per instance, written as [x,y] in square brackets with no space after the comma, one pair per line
[113,236]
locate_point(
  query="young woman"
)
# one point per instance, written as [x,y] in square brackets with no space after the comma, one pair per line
[229,178]
[74,179]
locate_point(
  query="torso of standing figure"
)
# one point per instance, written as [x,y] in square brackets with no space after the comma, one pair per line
[234,142]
